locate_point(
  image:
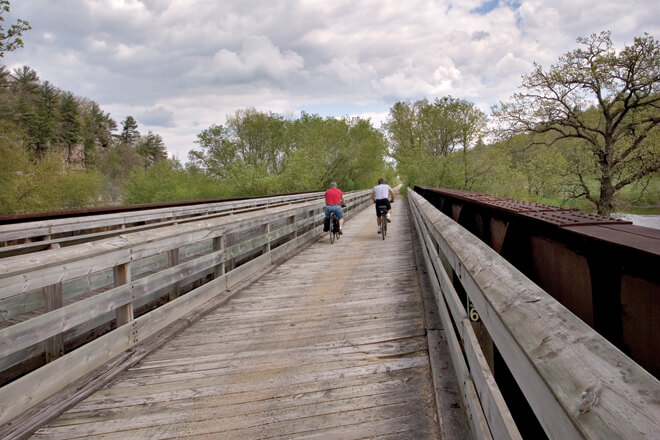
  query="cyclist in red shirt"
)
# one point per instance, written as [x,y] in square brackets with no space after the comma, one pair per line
[334,198]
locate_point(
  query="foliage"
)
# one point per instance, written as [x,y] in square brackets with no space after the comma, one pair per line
[167,180]
[425,136]
[606,103]
[261,153]
[152,149]
[10,39]
[31,185]
[69,132]
[129,131]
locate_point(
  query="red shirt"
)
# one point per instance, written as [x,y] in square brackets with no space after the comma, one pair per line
[333,196]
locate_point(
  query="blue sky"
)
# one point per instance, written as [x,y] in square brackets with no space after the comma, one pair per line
[179,66]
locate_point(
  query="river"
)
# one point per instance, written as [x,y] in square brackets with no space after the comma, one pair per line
[650,221]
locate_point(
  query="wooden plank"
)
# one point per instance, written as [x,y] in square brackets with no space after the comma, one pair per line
[26,333]
[360,376]
[48,227]
[571,376]
[91,410]
[21,394]
[106,254]
[495,410]
[54,346]
[476,417]
[122,275]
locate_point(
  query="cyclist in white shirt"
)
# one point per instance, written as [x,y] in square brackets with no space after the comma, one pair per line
[382,194]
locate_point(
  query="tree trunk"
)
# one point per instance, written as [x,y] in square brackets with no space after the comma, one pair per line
[605,201]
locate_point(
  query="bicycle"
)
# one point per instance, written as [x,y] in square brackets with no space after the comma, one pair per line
[382,213]
[334,228]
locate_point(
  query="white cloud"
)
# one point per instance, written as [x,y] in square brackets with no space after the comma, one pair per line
[257,57]
[182,65]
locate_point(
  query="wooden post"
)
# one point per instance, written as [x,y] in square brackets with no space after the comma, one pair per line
[173,260]
[266,247]
[229,261]
[122,275]
[219,244]
[52,296]
[294,222]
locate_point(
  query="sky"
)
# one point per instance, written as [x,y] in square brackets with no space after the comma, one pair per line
[180,66]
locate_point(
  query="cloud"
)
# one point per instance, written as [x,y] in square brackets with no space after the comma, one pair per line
[257,59]
[157,117]
[179,66]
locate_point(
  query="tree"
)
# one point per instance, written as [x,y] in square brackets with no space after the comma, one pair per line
[47,116]
[70,128]
[217,153]
[152,149]
[10,39]
[470,125]
[599,101]
[423,136]
[24,85]
[97,128]
[129,132]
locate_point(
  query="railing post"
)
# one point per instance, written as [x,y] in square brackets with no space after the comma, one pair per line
[52,296]
[122,275]
[294,222]
[173,260]
[266,247]
[219,244]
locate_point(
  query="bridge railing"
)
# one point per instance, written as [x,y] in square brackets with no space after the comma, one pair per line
[23,238]
[577,384]
[78,307]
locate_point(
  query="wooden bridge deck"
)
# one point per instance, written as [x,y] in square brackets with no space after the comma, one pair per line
[329,345]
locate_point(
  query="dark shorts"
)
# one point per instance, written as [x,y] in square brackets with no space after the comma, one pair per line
[383,202]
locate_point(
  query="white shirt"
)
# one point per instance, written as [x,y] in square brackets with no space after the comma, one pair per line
[382,191]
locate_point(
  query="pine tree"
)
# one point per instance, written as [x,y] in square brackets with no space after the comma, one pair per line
[46,116]
[152,148]
[70,129]
[129,133]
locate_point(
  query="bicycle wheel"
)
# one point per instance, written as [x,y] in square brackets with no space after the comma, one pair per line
[383,224]
[332,228]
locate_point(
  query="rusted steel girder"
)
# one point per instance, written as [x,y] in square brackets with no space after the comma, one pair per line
[605,270]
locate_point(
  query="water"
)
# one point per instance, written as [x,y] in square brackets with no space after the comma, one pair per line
[649,221]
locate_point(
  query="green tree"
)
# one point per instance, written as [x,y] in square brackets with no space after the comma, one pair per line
[606,102]
[25,81]
[97,128]
[152,149]
[70,128]
[470,125]
[24,87]
[424,136]
[248,151]
[47,116]
[129,131]
[258,138]
[216,154]
[10,38]
[167,180]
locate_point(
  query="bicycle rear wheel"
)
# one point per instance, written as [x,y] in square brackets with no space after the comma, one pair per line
[383,225]
[332,228]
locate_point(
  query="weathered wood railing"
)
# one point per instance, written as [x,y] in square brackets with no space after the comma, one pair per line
[22,238]
[124,289]
[577,384]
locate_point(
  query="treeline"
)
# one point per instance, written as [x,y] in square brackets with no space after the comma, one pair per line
[585,131]
[441,144]
[60,150]
[258,153]
[63,151]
